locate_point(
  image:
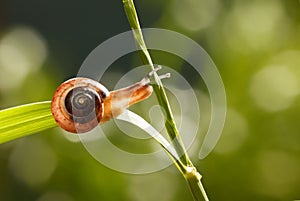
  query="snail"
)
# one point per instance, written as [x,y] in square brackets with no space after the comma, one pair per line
[80,104]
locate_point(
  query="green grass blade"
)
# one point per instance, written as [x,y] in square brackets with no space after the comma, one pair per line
[24,120]
[192,177]
[158,88]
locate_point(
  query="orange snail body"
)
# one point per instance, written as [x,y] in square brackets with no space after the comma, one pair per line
[80,104]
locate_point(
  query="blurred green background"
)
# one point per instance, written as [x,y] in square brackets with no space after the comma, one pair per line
[254,44]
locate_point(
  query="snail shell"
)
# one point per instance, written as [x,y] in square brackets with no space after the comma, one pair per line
[77,104]
[80,104]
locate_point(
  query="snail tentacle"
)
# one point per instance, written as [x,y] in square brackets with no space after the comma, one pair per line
[80,104]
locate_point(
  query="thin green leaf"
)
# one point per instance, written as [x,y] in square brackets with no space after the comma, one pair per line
[24,120]
[192,177]
[158,88]
[135,119]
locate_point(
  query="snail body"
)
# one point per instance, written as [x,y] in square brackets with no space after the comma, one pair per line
[80,104]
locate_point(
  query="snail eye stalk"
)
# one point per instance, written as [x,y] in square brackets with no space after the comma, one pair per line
[80,104]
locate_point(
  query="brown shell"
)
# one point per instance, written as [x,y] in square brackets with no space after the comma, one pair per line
[58,108]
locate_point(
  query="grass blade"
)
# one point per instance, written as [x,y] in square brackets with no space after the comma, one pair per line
[158,88]
[24,120]
[193,177]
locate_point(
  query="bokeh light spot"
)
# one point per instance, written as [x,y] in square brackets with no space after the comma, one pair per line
[32,162]
[256,25]
[274,88]
[22,51]
[194,15]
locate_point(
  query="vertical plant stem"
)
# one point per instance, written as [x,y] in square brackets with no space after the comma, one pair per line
[190,173]
[193,179]
[158,88]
